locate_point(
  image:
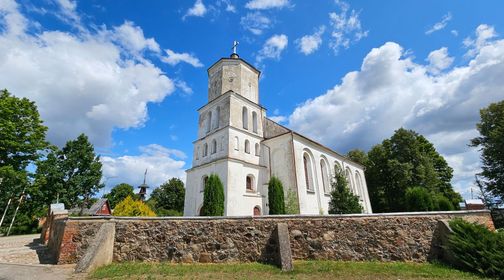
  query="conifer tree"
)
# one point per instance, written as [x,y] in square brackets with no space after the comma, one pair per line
[342,200]
[213,197]
[276,197]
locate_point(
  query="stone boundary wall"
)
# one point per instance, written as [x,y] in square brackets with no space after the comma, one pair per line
[381,237]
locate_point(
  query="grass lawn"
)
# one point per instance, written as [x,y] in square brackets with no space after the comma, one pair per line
[302,270]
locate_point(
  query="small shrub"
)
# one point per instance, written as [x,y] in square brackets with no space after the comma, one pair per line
[477,249]
[276,197]
[442,203]
[292,204]
[133,208]
[418,199]
[213,197]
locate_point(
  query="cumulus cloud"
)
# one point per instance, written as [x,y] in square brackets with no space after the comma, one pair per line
[439,25]
[346,27]
[310,43]
[86,82]
[174,58]
[391,91]
[483,37]
[162,164]
[273,47]
[255,22]
[198,10]
[267,4]
[439,60]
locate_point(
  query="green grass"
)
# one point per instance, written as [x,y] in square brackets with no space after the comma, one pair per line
[302,270]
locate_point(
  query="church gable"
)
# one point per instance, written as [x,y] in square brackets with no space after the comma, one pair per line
[273,129]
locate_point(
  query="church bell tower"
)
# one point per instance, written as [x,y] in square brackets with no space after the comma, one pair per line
[230,131]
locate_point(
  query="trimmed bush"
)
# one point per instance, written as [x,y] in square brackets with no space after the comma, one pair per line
[133,208]
[477,249]
[418,199]
[276,197]
[213,197]
[442,203]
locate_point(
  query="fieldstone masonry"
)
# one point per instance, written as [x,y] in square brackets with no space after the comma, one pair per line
[380,237]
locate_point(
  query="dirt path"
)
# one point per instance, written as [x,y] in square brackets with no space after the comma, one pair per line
[23,257]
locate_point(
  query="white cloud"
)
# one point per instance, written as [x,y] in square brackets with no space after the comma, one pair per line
[440,25]
[161,164]
[267,4]
[182,85]
[255,22]
[391,91]
[174,58]
[439,60]
[454,32]
[198,10]
[88,82]
[68,11]
[484,35]
[278,119]
[273,47]
[310,43]
[346,26]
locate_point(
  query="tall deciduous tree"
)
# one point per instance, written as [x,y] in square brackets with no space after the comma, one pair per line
[276,196]
[169,196]
[213,197]
[491,144]
[343,201]
[119,193]
[406,160]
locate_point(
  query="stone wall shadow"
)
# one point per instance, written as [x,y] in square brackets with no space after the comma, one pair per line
[270,252]
[43,254]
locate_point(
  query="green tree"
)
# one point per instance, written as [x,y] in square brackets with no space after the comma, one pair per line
[358,156]
[119,193]
[418,199]
[491,144]
[73,173]
[133,208]
[276,196]
[405,160]
[213,197]
[169,196]
[342,200]
[291,204]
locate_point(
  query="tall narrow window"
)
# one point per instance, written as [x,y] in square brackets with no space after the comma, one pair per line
[222,144]
[257,149]
[205,149]
[254,122]
[349,180]
[245,117]
[197,152]
[249,182]
[308,172]
[358,185]
[209,122]
[247,146]
[203,183]
[214,146]
[237,143]
[217,117]
[325,175]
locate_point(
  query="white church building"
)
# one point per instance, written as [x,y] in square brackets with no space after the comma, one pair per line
[245,149]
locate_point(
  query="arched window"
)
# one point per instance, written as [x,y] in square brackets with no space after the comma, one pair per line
[257,151]
[197,152]
[325,176]
[209,122]
[250,183]
[308,172]
[204,180]
[245,117]
[337,169]
[257,211]
[247,146]
[358,185]
[205,149]
[237,143]
[254,122]
[222,144]
[348,176]
[214,146]
[217,117]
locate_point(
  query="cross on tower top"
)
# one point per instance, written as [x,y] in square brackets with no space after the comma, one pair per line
[234,54]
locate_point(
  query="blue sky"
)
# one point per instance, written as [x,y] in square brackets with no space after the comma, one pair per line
[131,74]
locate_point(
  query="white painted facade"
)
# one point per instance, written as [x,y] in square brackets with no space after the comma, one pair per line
[244,148]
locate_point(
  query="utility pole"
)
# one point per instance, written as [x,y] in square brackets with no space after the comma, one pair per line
[6,208]
[15,213]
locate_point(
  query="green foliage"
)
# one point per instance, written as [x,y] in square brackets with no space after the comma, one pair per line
[418,199]
[73,172]
[343,201]
[477,249]
[358,156]
[276,196]
[491,144]
[133,208]
[406,159]
[119,193]
[169,197]
[292,204]
[442,203]
[213,197]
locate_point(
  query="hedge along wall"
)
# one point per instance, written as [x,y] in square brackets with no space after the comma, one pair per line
[382,237]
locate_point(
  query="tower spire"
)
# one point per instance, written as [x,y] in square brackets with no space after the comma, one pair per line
[234,54]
